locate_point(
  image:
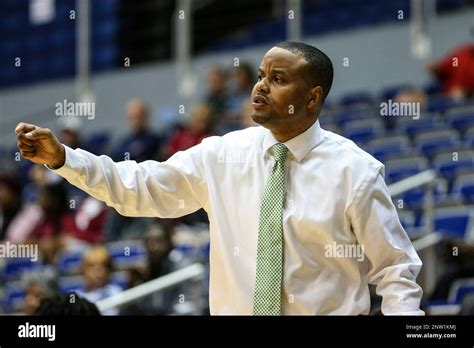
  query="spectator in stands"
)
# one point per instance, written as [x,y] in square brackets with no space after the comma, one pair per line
[70,134]
[10,203]
[39,285]
[243,79]
[183,138]
[161,260]
[66,305]
[141,144]
[459,265]
[49,219]
[122,227]
[38,177]
[411,95]
[406,95]
[158,245]
[88,225]
[192,133]
[217,97]
[97,267]
[455,72]
[56,223]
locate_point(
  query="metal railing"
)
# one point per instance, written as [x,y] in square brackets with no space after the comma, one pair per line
[427,179]
[194,272]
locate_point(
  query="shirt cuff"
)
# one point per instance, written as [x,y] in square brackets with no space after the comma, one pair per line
[71,163]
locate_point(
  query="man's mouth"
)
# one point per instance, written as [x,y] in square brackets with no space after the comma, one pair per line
[259,101]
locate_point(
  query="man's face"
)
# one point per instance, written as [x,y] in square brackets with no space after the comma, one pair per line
[96,275]
[281,93]
[34,295]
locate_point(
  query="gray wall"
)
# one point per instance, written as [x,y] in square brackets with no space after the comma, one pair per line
[378,56]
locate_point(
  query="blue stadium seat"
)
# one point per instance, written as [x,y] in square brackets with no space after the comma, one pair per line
[432,142]
[69,262]
[126,254]
[316,23]
[361,131]
[461,120]
[47,50]
[391,91]
[453,222]
[14,267]
[468,142]
[432,88]
[13,297]
[411,127]
[398,169]
[441,104]
[415,198]
[386,147]
[71,284]
[105,29]
[273,30]
[464,187]
[64,37]
[104,57]
[460,289]
[98,142]
[450,164]
[355,98]
[446,5]
[353,114]
[63,11]
[105,8]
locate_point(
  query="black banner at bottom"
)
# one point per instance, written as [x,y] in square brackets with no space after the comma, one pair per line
[142,331]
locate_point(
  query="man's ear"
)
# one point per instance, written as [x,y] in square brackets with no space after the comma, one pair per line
[315,97]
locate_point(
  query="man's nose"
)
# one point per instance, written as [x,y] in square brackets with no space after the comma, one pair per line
[262,86]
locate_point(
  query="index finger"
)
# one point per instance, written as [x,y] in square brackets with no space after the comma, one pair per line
[24,127]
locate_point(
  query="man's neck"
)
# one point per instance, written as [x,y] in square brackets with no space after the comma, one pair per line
[287,134]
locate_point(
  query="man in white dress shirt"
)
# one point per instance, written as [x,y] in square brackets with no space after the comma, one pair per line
[301,220]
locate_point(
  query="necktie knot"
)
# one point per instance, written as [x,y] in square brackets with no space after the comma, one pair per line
[279,151]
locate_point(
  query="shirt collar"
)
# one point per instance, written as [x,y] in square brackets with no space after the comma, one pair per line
[300,145]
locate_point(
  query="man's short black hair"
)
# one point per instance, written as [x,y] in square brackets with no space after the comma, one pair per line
[66,305]
[319,64]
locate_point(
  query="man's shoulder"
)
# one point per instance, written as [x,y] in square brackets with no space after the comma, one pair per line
[239,138]
[347,149]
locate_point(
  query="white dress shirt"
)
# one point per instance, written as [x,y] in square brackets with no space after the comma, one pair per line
[337,203]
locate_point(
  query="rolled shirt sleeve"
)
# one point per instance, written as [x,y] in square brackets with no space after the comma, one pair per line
[150,189]
[394,263]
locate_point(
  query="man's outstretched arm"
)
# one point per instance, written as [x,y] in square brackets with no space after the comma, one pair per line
[169,189]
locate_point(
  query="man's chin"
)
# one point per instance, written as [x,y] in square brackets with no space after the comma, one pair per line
[260,118]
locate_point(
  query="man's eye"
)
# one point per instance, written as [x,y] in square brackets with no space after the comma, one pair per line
[277,79]
[259,77]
